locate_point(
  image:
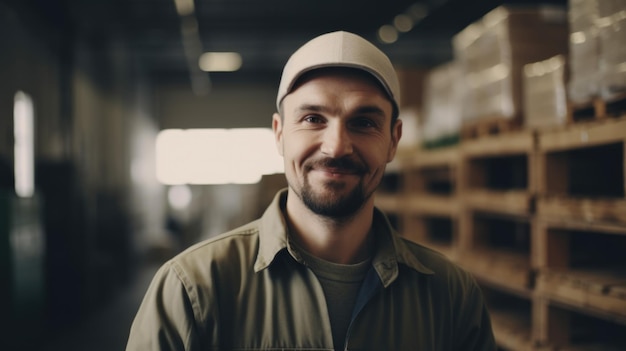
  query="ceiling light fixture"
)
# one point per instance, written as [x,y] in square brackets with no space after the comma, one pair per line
[220,61]
[184,7]
[387,34]
[403,23]
[417,11]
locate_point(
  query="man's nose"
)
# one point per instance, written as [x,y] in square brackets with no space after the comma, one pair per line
[336,141]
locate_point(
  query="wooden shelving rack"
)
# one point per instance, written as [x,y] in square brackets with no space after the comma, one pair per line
[497,189]
[431,204]
[580,237]
[539,218]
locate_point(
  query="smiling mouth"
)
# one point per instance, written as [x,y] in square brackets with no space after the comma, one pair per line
[337,172]
[337,167]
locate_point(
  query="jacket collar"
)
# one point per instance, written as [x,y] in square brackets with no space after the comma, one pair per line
[391,249]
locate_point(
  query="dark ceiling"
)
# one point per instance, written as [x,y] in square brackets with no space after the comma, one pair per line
[264,32]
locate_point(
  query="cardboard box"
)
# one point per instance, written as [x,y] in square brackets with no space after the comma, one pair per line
[493,51]
[545,95]
[442,106]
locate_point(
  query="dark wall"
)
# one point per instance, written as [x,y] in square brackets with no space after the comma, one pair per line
[92,102]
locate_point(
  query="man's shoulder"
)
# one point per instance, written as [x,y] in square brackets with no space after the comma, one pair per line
[239,243]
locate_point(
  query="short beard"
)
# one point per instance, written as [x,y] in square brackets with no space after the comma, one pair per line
[331,206]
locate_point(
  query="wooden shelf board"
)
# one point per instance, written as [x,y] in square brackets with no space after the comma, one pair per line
[506,269]
[512,201]
[580,225]
[448,156]
[500,145]
[594,292]
[586,209]
[430,204]
[583,135]
[391,203]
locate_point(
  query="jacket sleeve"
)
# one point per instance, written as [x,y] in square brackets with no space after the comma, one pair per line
[473,327]
[165,320]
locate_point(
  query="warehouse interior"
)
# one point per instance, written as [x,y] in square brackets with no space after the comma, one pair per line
[512,162]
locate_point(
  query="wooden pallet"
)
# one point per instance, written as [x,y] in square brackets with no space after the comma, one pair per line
[602,198]
[433,205]
[552,328]
[417,229]
[597,292]
[483,127]
[583,209]
[598,109]
[448,157]
[388,202]
[509,270]
[507,157]
[597,288]
[513,202]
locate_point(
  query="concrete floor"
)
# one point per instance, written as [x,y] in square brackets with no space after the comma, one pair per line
[107,328]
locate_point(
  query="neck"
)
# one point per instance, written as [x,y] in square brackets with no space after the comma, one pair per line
[342,240]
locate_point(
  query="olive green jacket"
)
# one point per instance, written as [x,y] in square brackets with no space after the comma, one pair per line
[249,289]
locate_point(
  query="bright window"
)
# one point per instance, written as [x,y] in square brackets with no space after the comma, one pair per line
[24,130]
[216,156]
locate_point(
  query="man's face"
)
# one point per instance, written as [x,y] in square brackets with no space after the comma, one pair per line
[336,138]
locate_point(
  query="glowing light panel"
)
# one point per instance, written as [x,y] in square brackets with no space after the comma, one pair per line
[216,156]
[24,130]
[220,61]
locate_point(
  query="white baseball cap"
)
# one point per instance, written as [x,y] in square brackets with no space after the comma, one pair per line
[339,49]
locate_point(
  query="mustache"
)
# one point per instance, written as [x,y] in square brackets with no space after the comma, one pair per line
[345,164]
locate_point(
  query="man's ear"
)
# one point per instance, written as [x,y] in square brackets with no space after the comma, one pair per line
[277,127]
[396,134]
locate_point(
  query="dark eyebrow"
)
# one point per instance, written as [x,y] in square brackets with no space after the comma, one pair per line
[311,108]
[370,110]
[362,110]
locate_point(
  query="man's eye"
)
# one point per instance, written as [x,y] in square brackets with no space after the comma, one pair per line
[363,123]
[313,119]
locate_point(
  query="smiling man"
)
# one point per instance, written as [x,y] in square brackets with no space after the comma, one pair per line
[336,134]
[336,123]
[322,269]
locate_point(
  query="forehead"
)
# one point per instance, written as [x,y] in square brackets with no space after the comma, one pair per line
[339,80]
